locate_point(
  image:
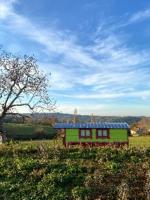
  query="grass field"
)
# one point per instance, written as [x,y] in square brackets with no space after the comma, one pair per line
[141,141]
[137,142]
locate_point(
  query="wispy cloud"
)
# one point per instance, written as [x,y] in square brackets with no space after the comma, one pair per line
[105,109]
[106,69]
[145,94]
[84,110]
[6,8]
[140,16]
[54,40]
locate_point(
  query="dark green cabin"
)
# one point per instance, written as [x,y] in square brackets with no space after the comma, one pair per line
[94,134]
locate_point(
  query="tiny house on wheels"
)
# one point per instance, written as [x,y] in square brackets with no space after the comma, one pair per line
[94,134]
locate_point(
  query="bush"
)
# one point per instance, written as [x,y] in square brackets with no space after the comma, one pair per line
[42,172]
[39,133]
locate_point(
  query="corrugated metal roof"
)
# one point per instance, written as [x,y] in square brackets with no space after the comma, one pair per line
[116,125]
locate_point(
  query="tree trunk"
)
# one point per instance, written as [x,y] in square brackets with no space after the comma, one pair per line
[3,137]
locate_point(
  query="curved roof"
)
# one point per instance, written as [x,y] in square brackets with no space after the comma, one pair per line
[116,125]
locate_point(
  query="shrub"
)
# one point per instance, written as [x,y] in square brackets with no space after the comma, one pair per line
[39,133]
[43,172]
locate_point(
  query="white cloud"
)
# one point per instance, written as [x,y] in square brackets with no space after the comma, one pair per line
[140,16]
[69,108]
[106,109]
[54,40]
[60,76]
[105,95]
[6,8]
[108,66]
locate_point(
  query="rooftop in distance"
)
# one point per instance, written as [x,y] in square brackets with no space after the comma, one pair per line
[115,125]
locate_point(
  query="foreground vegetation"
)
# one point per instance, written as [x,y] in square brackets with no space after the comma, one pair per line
[46,170]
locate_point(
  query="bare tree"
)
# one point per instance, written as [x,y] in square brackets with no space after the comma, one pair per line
[22,84]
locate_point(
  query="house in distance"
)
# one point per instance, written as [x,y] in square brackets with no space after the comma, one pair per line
[94,134]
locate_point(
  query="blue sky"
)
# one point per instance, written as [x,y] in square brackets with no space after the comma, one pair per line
[97,51]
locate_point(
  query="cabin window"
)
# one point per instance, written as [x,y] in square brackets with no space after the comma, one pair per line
[99,133]
[82,133]
[102,133]
[85,133]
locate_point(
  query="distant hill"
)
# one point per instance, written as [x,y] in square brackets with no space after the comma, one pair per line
[65,117]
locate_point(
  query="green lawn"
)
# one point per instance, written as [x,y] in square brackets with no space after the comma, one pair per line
[138,142]
[141,141]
